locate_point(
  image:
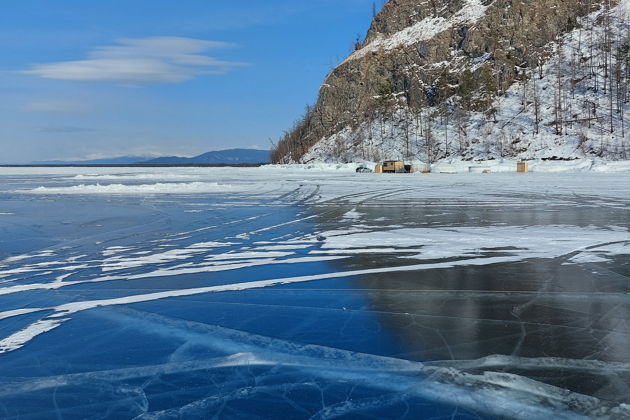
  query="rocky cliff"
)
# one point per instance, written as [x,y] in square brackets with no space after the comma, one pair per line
[432,73]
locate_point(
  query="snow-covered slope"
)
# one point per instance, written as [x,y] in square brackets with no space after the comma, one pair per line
[476,80]
[563,109]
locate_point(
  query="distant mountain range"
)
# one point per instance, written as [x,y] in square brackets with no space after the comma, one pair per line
[220,157]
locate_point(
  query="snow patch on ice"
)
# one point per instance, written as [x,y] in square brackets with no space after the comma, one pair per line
[210,245]
[353,215]
[18,312]
[133,177]
[16,258]
[519,242]
[158,188]
[283,247]
[119,263]
[20,338]
[249,255]
[212,264]
[586,257]
[602,253]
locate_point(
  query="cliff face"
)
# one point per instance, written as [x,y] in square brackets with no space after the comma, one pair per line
[436,55]
[423,45]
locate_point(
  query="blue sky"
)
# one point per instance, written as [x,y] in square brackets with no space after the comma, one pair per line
[88,79]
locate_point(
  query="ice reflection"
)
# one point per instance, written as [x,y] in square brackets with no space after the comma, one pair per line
[557,314]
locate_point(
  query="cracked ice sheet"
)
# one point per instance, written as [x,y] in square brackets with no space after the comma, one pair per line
[20,339]
[178,270]
[456,313]
[249,365]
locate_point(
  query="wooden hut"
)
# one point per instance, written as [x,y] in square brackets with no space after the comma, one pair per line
[393,167]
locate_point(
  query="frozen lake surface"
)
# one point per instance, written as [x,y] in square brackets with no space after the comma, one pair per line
[293,293]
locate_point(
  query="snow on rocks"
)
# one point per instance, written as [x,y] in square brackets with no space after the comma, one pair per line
[426,29]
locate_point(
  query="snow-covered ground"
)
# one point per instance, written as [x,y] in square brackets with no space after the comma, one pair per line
[315,291]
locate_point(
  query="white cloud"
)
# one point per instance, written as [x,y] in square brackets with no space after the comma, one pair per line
[141,60]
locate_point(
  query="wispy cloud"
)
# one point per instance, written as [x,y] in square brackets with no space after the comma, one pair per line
[142,60]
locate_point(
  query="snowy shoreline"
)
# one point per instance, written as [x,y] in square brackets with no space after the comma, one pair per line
[140,173]
[330,179]
[495,165]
